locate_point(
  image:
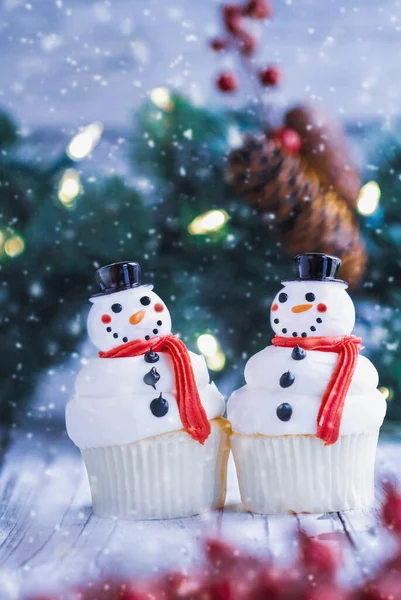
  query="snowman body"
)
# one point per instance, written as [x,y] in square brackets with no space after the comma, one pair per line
[123,400]
[284,387]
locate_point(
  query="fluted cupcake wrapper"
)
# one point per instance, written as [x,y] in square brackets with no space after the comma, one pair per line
[163,477]
[298,473]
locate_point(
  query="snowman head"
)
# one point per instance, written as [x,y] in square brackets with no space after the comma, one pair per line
[125,310]
[316,304]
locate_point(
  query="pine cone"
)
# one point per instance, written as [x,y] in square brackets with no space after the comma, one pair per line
[325,149]
[307,217]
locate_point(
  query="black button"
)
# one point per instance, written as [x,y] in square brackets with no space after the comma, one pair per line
[284,411]
[150,356]
[298,353]
[152,377]
[159,407]
[287,379]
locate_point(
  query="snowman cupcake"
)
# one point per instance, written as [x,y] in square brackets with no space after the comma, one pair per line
[305,425]
[144,414]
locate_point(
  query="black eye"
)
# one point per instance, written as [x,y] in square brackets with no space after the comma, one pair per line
[116,308]
[283,297]
[310,297]
[145,300]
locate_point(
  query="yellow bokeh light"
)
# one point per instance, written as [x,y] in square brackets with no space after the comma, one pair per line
[212,220]
[69,187]
[207,344]
[161,98]
[85,141]
[387,393]
[14,246]
[216,362]
[368,199]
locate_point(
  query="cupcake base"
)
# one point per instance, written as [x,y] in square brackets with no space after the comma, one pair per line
[163,477]
[299,474]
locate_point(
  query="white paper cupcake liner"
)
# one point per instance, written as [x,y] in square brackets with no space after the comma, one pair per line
[298,473]
[164,477]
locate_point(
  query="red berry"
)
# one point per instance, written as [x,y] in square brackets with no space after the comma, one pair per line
[289,138]
[318,557]
[218,44]
[247,43]
[270,76]
[227,82]
[232,18]
[258,9]
[391,511]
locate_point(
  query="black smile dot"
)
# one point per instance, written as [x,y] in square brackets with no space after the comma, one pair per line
[277,321]
[294,334]
[115,335]
[313,328]
[155,331]
[125,339]
[108,329]
[303,334]
[147,337]
[319,320]
[284,330]
[159,323]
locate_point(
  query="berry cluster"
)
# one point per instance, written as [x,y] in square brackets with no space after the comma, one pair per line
[231,574]
[239,40]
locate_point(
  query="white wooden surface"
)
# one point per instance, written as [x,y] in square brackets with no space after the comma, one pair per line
[49,537]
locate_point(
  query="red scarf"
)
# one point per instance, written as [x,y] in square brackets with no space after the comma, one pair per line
[332,404]
[192,413]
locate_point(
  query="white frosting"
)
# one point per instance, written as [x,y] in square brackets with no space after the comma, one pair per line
[336,318]
[111,405]
[305,309]
[141,313]
[252,409]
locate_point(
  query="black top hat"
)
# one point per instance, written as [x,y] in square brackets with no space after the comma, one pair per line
[118,277]
[314,266]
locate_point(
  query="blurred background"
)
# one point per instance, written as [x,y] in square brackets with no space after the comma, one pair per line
[208,142]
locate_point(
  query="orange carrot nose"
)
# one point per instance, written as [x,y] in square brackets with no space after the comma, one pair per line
[137,317]
[301,308]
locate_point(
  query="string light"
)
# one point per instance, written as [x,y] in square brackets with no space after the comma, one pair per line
[387,393]
[210,348]
[161,98]
[85,141]
[368,199]
[14,246]
[69,187]
[212,220]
